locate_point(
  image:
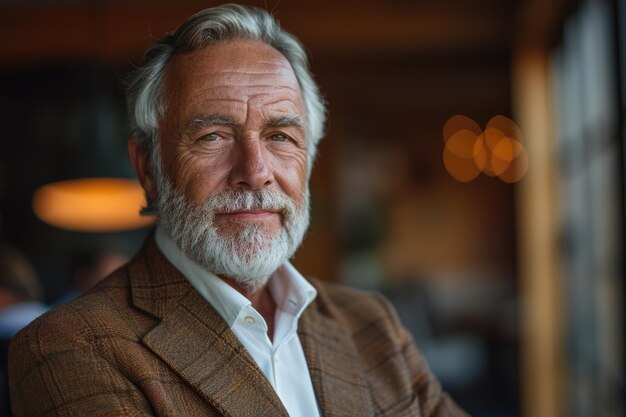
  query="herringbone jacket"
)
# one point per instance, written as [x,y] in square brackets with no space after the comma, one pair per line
[145,343]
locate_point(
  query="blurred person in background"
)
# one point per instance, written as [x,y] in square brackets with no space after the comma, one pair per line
[20,304]
[20,292]
[87,268]
[210,318]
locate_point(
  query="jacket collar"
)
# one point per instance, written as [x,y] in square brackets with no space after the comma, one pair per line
[195,342]
[338,378]
[156,286]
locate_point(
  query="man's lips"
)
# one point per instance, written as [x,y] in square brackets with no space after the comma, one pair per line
[249,214]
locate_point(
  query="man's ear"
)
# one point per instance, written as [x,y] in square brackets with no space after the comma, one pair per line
[141,161]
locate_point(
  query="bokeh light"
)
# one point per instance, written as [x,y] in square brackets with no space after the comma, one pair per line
[458,123]
[498,151]
[458,156]
[517,169]
[506,126]
[92,205]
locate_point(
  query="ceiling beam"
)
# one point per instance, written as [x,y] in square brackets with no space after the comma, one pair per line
[120,32]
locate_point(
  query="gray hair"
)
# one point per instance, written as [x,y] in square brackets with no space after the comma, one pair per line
[145,85]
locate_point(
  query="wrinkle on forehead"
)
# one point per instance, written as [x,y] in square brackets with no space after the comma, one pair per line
[238,73]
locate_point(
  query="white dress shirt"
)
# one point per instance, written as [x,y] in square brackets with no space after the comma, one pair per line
[281,360]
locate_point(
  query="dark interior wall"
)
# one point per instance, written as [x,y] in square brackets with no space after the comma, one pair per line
[388,110]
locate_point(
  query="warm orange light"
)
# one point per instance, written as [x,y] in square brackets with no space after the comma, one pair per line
[483,155]
[92,205]
[504,153]
[462,144]
[458,123]
[461,169]
[458,156]
[506,126]
[517,169]
[497,151]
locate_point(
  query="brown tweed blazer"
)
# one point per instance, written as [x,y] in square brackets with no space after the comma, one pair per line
[145,343]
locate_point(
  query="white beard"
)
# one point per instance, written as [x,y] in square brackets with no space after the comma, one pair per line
[250,254]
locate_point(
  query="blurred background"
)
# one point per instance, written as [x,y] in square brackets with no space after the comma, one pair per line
[513,289]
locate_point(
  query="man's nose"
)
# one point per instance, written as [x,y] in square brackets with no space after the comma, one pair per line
[250,168]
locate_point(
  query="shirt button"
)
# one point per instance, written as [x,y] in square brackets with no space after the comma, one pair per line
[249,320]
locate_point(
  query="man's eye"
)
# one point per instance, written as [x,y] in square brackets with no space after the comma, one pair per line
[211,137]
[279,137]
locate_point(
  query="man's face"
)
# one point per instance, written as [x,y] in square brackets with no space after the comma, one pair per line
[232,179]
[234,121]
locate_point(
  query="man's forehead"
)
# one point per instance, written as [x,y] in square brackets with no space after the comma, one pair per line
[227,78]
[232,59]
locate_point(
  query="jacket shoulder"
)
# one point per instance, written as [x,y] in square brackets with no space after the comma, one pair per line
[399,378]
[70,358]
[357,308]
[79,321]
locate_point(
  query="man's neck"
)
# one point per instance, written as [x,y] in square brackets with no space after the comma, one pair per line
[262,301]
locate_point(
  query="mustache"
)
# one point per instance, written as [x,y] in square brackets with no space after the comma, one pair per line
[232,200]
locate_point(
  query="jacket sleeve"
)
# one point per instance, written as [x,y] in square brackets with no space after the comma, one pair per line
[434,402]
[56,372]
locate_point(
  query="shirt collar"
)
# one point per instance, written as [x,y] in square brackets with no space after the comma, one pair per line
[292,293]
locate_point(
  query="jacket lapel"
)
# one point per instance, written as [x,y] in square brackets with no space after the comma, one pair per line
[334,365]
[196,343]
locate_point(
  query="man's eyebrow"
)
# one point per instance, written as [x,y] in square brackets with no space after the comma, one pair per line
[201,122]
[286,121]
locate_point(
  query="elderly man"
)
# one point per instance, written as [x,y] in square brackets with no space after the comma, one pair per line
[210,318]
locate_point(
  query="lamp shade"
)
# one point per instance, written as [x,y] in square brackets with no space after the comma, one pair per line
[92,205]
